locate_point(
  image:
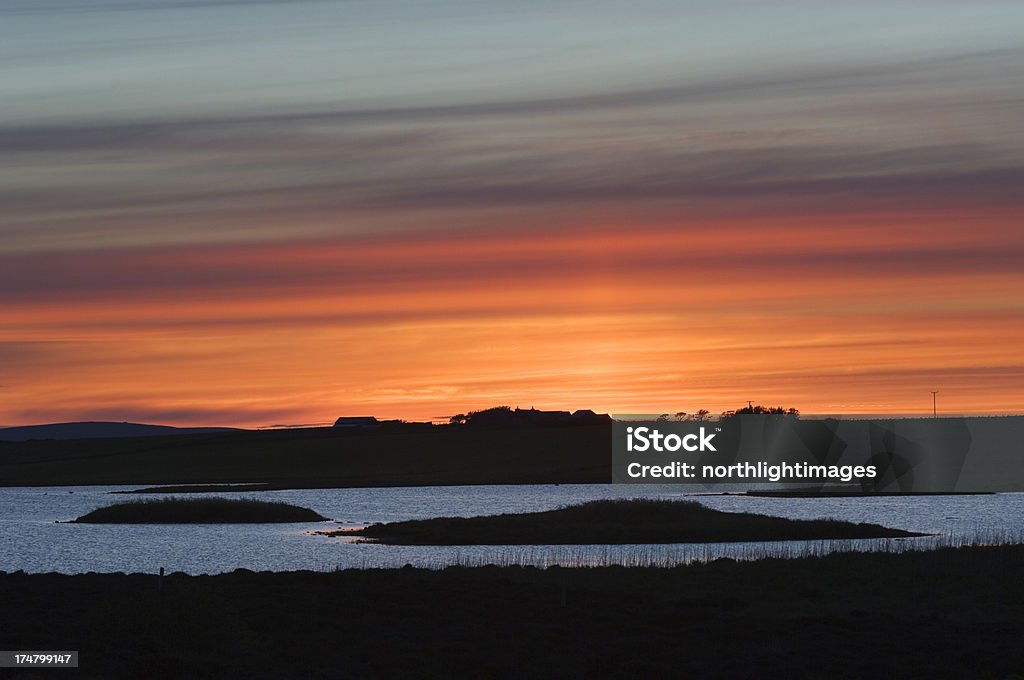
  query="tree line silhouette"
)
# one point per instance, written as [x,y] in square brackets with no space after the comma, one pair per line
[750,409]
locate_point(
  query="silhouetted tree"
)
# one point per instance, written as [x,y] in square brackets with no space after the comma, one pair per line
[758,409]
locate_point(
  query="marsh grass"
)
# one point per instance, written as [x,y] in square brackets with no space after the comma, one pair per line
[621,522]
[658,556]
[668,556]
[199,511]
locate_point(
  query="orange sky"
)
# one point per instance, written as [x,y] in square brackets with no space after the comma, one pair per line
[863,313]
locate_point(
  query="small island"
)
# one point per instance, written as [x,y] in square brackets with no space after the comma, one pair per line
[635,521]
[199,511]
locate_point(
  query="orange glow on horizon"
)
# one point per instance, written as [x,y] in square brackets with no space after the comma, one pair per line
[842,315]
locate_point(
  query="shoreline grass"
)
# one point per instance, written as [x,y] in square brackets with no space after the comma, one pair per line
[199,511]
[623,522]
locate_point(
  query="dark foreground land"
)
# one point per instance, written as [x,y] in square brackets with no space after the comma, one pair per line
[616,521]
[199,511]
[320,458]
[947,614]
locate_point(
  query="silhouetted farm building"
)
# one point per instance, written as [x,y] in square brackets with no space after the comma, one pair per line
[503,416]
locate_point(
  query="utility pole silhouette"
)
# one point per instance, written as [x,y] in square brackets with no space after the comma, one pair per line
[934,411]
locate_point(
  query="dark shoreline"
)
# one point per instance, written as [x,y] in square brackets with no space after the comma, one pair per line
[391,456]
[283,459]
[824,493]
[250,487]
[951,613]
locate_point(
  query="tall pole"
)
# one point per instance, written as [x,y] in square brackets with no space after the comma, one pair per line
[934,411]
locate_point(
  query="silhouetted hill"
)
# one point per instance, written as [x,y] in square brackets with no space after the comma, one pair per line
[98,430]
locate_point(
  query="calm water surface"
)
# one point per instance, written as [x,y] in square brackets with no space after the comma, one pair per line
[30,540]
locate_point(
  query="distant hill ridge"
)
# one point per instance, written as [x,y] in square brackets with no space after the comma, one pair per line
[98,430]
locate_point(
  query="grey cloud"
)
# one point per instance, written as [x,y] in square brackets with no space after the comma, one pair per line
[16,352]
[808,82]
[138,179]
[185,274]
[781,180]
[62,7]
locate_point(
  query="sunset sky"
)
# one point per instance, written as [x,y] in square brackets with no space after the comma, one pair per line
[252,213]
